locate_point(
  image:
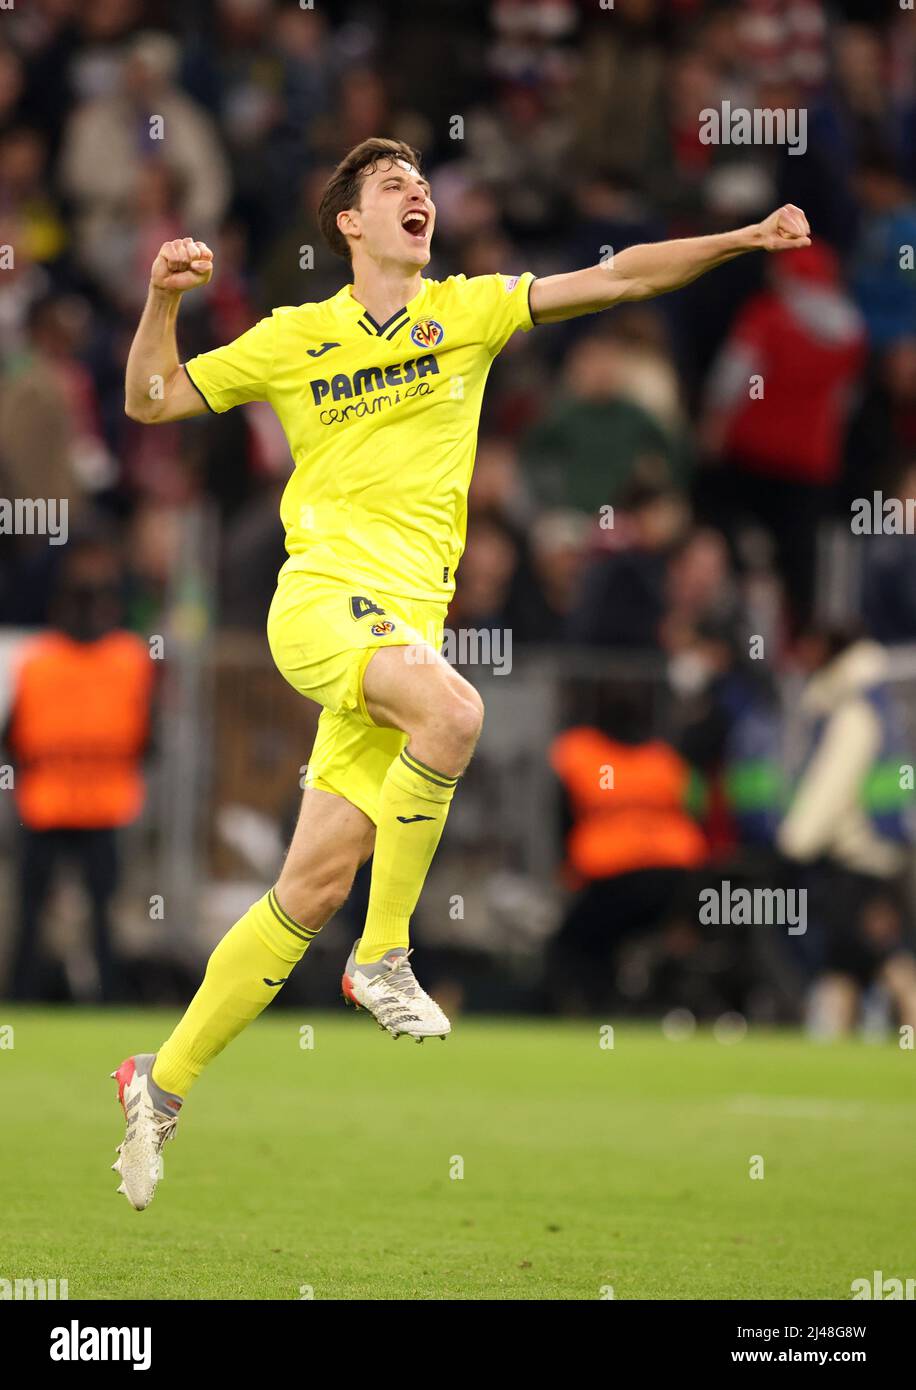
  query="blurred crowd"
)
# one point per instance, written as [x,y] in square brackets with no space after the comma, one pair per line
[651,480]
[629,482]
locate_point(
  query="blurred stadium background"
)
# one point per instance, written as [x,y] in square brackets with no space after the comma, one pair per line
[553,131]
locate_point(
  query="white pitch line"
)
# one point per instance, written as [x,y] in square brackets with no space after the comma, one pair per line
[795,1108]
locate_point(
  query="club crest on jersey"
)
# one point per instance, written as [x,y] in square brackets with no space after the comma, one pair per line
[427,333]
[383,628]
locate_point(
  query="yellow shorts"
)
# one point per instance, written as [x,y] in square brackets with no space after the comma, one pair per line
[322,636]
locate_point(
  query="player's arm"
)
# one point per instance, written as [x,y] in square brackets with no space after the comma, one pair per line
[156,387]
[642,272]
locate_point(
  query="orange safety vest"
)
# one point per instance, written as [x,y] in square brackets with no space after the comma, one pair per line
[79,724]
[627,804]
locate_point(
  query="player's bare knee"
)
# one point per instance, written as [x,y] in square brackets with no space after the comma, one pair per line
[458,723]
[331,896]
[311,897]
[467,718]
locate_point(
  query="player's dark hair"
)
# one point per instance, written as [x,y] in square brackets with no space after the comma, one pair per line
[345,184]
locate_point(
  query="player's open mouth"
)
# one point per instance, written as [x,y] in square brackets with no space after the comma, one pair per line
[415,223]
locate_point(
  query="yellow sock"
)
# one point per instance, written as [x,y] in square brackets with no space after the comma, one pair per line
[244,973]
[412,810]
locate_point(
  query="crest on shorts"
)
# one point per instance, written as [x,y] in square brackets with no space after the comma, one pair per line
[427,333]
[383,628]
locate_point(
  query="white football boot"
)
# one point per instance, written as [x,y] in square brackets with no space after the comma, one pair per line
[389,990]
[152,1118]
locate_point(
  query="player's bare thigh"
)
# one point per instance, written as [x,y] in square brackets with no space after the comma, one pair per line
[415,689]
[331,840]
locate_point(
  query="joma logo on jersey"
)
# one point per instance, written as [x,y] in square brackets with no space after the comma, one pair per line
[343,387]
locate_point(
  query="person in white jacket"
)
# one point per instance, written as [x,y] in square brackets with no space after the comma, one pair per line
[110,140]
[847,822]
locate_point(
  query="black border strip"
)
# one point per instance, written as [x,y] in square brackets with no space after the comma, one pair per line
[380,327]
[184,368]
[301,932]
[429,773]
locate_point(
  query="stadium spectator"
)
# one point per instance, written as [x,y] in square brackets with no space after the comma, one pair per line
[623,594]
[621,90]
[632,841]
[52,446]
[24,187]
[497,586]
[615,420]
[882,275]
[558,549]
[701,592]
[108,139]
[78,728]
[889,575]
[794,354]
[882,431]
[23,283]
[848,829]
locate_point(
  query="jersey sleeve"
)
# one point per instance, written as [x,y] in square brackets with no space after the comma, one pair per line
[501,301]
[238,372]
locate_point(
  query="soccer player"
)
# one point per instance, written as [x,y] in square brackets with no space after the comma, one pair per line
[379,391]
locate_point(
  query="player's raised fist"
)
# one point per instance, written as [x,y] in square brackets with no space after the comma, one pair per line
[182,265]
[786,229]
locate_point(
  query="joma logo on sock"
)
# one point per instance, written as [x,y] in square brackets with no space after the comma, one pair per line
[744,907]
[75,1343]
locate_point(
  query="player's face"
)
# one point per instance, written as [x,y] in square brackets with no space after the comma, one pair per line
[395,217]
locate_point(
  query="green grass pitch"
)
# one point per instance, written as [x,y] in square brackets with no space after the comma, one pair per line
[329,1169]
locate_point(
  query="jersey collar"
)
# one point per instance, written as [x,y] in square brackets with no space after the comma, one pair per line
[392,326]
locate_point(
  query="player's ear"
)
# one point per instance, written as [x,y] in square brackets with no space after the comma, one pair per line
[348,222]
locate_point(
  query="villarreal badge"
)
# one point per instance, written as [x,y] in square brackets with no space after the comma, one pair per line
[382,629]
[427,333]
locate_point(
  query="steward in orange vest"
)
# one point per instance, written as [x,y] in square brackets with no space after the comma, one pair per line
[632,847]
[79,727]
[629,804]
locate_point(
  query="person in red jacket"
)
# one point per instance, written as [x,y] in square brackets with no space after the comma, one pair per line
[79,724]
[776,409]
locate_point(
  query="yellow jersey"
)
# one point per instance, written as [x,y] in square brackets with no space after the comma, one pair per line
[381,421]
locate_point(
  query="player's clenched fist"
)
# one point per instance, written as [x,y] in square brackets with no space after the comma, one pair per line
[786,229]
[182,265]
